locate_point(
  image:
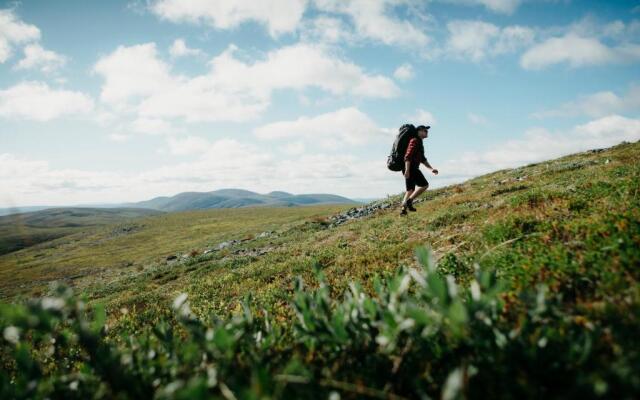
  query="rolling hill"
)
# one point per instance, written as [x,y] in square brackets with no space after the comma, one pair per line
[223,198]
[236,198]
[21,210]
[18,231]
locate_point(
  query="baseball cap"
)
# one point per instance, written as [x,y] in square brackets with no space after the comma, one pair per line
[422,127]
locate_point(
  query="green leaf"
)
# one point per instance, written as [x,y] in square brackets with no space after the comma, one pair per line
[425,258]
[458,313]
[437,287]
[99,318]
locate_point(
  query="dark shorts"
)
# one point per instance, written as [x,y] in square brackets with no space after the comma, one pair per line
[415,179]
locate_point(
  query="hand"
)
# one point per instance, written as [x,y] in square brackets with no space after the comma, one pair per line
[435,171]
[407,174]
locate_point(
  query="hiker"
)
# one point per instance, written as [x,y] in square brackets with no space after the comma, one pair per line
[406,155]
[413,157]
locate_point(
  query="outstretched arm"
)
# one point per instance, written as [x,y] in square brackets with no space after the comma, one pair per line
[426,164]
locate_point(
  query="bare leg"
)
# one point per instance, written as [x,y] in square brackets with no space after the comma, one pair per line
[407,195]
[416,193]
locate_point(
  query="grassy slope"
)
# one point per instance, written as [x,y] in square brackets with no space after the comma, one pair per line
[572,223]
[22,230]
[98,255]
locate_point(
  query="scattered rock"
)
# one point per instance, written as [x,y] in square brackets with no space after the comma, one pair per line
[359,212]
[253,252]
[230,243]
[510,180]
[224,245]
[125,229]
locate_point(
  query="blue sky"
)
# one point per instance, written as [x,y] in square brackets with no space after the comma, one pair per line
[118,101]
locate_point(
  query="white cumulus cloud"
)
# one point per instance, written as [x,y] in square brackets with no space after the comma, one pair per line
[423,117]
[279,16]
[326,29]
[232,90]
[151,126]
[35,56]
[609,130]
[347,125]
[540,144]
[513,38]
[498,6]
[179,48]
[373,19]
[189,145]
[591,26]
[576,51]
[404,72]
[477,40]
[597,105]
[299,66]
[14,32]
[587,42]
[130,72]
[37,101]
[294,148]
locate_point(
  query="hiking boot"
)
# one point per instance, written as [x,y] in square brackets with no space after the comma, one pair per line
[403,211]
[410,205]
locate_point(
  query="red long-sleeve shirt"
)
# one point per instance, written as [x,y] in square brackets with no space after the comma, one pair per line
[415,152]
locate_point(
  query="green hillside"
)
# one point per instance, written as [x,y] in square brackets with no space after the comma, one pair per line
[100,255]
[535,295]
[18,231]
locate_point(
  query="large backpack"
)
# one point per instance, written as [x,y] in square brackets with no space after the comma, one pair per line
[395,161]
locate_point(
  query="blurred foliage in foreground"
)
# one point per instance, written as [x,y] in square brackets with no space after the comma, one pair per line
[420,336]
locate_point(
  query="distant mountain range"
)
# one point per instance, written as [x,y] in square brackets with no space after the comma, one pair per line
[224,198]
[235,198]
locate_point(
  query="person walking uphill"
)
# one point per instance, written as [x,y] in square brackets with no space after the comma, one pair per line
[413,157]
[406,155]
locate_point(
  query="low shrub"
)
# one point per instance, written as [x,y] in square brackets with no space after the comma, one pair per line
[420,335]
